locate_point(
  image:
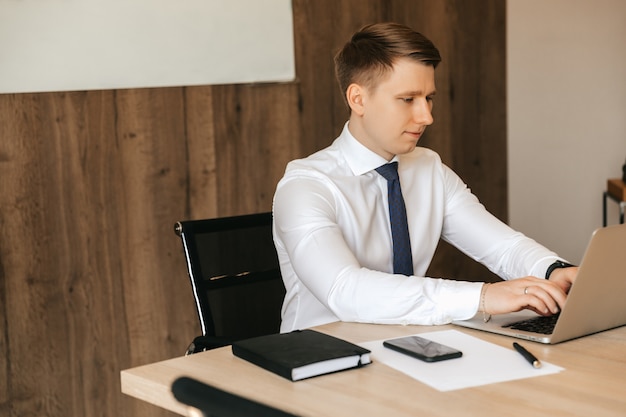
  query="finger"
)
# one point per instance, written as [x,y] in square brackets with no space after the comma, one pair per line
[556,293]
[549,298]
[531,308]
[541,301]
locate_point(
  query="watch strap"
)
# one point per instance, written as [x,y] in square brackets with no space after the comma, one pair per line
[556,265]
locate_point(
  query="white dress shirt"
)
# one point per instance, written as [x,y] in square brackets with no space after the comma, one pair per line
[333,238]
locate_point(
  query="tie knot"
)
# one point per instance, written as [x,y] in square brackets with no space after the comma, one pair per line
[389,171]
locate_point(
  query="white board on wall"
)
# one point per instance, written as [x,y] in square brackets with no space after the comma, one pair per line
[66,45]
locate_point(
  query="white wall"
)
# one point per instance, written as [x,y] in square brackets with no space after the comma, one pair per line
[566,116]
[64,45]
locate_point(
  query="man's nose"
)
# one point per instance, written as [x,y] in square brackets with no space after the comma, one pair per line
[422,113]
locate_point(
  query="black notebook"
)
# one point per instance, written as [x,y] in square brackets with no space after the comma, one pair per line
[301,354]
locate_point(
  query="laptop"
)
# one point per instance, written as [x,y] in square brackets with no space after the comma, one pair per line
[596,301]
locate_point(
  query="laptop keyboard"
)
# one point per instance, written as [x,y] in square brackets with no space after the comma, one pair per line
[540,324]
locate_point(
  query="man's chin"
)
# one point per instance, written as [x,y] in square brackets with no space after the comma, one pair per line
[407,149]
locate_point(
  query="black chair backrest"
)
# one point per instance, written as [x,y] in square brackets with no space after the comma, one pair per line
[235,275]
[214,402]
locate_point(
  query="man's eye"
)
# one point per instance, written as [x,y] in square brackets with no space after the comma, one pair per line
[407,99]
[430,98]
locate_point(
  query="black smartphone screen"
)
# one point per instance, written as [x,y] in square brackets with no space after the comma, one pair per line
[422,348]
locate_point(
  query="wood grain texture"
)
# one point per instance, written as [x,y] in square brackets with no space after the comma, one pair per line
[92,277]
[589,385]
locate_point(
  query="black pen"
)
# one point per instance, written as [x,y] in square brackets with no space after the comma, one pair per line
[527,355]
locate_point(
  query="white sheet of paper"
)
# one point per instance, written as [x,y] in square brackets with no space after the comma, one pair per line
[482,362]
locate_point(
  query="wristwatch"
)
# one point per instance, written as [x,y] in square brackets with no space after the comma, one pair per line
[557,265]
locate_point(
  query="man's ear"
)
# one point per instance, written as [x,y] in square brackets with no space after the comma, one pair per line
[355,95]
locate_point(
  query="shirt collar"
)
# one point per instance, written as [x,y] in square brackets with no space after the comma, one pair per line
[359,158]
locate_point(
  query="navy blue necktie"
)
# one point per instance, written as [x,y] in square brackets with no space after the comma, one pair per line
[402,258]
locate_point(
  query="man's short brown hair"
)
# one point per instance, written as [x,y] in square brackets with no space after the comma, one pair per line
[373,50]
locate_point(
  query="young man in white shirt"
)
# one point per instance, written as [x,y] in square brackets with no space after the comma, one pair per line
[331,216]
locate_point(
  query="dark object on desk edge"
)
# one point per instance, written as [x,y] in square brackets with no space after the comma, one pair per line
[212,401]
[301,354]
[203,343]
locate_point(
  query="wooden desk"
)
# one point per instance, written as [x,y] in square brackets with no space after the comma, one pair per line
[593,383]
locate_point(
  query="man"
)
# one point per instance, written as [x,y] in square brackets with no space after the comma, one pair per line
[332,226]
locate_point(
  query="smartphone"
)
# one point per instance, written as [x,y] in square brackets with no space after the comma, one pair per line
[422,348]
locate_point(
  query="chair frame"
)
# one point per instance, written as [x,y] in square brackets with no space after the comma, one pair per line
[187,230]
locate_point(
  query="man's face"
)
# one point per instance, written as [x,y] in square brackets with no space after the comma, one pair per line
[390,118]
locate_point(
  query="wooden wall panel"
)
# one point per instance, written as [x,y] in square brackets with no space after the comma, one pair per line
[201,199]
[257,133]
[92,277]
[321,28]
[150,140]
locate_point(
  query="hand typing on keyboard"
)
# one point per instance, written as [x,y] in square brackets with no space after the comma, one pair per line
[545,297]
[564,277]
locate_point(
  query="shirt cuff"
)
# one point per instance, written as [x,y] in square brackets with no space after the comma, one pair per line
[461,301]
[540,268]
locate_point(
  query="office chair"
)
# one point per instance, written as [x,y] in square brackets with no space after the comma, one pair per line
[208,401]
[235,277]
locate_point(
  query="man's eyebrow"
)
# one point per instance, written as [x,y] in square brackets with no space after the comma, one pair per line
[417,93]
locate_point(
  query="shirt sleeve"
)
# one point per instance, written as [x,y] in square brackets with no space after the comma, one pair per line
[482,236]
[307,231]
